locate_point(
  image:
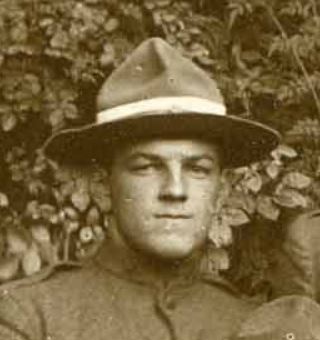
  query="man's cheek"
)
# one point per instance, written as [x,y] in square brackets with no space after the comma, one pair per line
[206,203]
[206,190]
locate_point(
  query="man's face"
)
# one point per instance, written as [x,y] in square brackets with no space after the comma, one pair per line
[163,195]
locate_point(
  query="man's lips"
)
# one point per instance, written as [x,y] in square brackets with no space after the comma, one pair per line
[174,216]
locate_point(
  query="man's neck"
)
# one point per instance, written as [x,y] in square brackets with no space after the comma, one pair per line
[123,260]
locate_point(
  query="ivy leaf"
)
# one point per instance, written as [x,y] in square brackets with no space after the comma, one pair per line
[70,213]
[108,56]
[99,232]
[253,182]
[71,226]
[241,200]
[273,170]
[290,198]
[70,111]
[267,208]
[56,118]
[111,25]
[93,216]
[33,210]
[8,268]
[40,233]
[31,261]
[236,217]
[101,196]
[284,150]
[241,170]
[80,200]
[60,40]
[296,180]
[4,201]
[205,61]
[8,121]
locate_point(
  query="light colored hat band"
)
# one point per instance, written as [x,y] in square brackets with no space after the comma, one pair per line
[140,108]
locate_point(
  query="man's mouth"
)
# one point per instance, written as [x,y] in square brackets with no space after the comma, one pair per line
[173,216]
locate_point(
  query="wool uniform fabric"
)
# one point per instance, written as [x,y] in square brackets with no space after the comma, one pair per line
[116,296]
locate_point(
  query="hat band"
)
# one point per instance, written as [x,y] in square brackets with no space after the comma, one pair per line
[158,105]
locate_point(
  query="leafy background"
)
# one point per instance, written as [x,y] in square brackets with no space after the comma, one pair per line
[54,55]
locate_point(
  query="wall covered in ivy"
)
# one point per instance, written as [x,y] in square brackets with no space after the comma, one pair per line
[54,55]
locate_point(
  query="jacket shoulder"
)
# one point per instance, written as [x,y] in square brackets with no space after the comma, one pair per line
[292,315]
[64,281]
[40,278]
[229,297]
[55,292]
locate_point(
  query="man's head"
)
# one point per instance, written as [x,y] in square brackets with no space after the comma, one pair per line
[164,193]
[165,183]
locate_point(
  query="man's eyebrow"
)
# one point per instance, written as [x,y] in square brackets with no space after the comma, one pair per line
[188,158]
[195,158]
[146,155]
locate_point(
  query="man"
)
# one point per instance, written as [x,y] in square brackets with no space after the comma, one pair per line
[163,135]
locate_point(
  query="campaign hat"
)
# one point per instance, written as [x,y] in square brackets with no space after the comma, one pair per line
[156,92]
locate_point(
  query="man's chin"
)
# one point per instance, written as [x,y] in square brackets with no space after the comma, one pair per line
[172,250]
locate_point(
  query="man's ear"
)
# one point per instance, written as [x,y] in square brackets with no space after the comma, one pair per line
[222,194]
[107,183]
[101,189]
[108,193]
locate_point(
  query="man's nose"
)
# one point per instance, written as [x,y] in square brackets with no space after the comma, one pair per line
[174,185]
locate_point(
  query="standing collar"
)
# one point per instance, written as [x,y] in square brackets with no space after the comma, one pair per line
[119,260]
[133,266]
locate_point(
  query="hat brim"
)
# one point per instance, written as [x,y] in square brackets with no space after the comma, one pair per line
[242,141]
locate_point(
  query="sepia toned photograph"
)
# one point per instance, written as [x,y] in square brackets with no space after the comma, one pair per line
[160,170]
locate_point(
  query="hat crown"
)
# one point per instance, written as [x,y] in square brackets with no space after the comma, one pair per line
[153,70]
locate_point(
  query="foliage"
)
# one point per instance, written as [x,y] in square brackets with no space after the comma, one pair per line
[55,55]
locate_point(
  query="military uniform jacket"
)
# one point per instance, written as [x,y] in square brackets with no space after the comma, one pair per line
[115,297]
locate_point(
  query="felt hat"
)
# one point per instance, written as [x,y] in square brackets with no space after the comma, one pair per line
[291,317]
[156,92]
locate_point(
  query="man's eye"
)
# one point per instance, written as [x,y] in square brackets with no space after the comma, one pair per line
[143,167]
[201,170]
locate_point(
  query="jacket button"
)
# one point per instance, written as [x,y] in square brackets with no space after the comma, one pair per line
[290,336]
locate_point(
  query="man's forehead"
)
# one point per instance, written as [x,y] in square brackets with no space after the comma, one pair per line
[170,147]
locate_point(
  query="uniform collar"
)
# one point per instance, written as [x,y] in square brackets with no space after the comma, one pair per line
[125,263]
[130,265]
